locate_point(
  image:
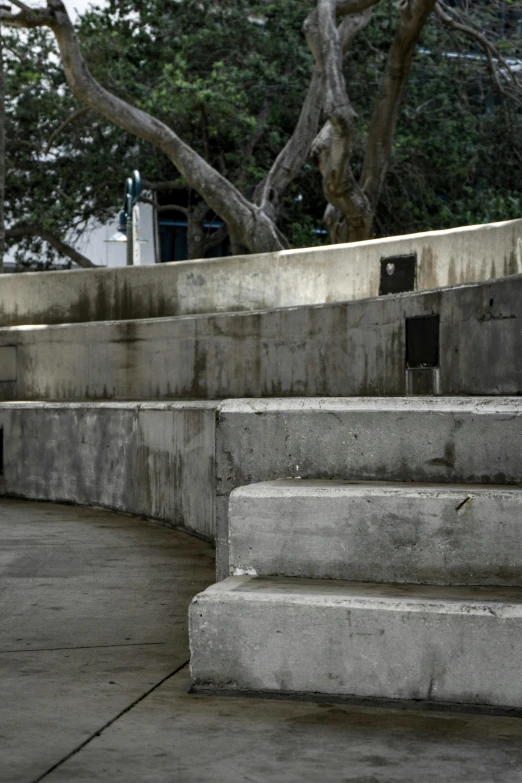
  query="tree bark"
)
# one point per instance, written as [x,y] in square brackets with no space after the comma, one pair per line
[352,203]
[333,147]
[413,16]
[293,155]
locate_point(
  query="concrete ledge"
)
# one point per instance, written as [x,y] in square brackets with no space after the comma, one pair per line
[293,277]
[377,532]
[155,460]
[382,641]
[344,349]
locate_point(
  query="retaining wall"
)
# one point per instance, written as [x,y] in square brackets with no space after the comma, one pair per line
[289,278]
[178,462]
[155,460]
[341,349]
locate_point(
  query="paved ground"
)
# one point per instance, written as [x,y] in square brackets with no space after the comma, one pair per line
[93,678]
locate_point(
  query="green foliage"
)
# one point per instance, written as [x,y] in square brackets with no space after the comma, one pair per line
[457,156]
[232,88]
[78,179]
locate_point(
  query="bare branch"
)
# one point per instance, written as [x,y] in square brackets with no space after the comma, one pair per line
[290,160]
[65,123]
[23,6]
[413,16]
[164,207]
[18,232]
[27,18]
[450,18]
[170,184]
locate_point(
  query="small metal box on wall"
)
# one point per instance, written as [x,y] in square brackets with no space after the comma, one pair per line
[398,274]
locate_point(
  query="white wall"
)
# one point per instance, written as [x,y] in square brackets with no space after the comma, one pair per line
[94,243]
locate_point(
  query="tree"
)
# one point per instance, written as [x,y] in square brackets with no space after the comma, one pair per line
[54,189]
[352,189]
[230,86]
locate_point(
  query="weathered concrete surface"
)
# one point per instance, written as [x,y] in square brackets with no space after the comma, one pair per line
[94,614]
[7,363]
[457,644]
[343,349]
[452,440]
[77,576]
[201,739]
[173,462]
[153,459]
[377,532]
[292,277]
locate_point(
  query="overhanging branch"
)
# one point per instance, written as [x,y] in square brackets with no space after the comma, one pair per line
[29,230]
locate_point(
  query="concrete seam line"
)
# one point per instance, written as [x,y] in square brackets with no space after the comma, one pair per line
[81,647]
[109,723]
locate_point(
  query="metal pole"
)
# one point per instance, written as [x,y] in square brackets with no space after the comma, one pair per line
[130,227]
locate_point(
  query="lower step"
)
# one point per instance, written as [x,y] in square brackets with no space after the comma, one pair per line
[452,644]
[377,532]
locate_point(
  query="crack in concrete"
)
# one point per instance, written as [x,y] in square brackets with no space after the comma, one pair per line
[80,647]
[109,723]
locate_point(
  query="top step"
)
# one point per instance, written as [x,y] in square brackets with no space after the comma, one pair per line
[333,273]
[461,534]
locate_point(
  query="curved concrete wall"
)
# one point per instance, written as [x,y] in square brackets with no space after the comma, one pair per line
[289,278]
[342,349]
[178,462]
[155,460]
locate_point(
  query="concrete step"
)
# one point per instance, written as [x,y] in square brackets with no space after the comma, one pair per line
[451,644]
[430,439]
[377,532]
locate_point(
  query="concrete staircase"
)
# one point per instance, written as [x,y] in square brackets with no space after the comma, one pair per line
[369,589]
[284,384]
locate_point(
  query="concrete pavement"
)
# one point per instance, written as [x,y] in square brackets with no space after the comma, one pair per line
[93,647]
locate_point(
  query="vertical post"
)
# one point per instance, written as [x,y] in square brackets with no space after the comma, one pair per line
[130,231]
[136,251]
[2,155]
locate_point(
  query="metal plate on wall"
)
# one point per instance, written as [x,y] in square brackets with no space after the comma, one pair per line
[398,274]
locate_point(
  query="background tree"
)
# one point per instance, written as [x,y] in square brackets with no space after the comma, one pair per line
[236,92]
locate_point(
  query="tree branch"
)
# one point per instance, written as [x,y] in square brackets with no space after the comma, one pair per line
[23,230]
[333,147]
[216,238]
[247,221]
[65,123]
[164,207]
[413,16]
[290,160]
[447,16]
[27,18]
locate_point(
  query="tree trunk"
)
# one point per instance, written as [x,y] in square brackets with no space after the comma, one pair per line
[196,230]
